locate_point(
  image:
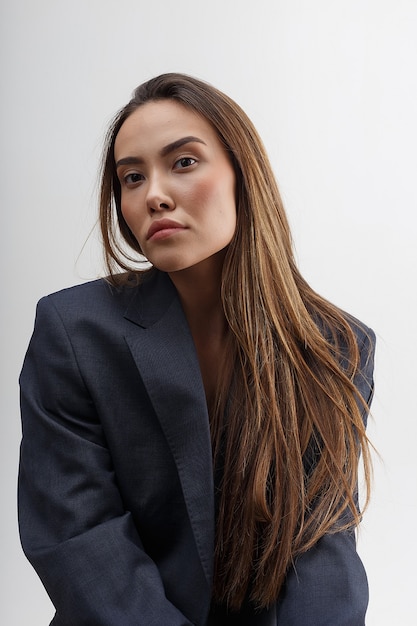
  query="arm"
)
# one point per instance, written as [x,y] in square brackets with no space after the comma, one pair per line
[327,585]
[74,528]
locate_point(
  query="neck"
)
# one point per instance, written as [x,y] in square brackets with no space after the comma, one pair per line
[199,291]
[199,288]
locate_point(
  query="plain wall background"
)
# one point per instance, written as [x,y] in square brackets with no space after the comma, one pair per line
[332,87]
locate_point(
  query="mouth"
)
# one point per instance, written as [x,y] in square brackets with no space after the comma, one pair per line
[160,229]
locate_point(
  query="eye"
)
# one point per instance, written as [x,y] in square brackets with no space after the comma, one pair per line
[132,179]
[184,162]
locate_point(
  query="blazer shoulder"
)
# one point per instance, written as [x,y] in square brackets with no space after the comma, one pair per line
[364,333]
[100,287]
[366,341]
[364,376]
[96,296]
[142,300]
[336,334]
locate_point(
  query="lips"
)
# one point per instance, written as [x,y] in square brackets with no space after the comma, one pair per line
[163,227]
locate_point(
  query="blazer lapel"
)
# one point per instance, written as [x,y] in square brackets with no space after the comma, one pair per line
[164,352]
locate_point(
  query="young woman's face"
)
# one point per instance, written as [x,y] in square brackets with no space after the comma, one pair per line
[177,185]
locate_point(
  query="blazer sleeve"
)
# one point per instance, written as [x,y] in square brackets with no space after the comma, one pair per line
[74,528]
[328,584]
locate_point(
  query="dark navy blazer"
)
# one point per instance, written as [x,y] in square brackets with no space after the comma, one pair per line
[116,504]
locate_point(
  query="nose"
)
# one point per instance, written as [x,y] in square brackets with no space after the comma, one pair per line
[158,197]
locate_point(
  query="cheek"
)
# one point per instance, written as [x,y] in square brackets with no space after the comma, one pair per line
[224,206]
[132,216]
[125,208]
[215,198]
[200,194]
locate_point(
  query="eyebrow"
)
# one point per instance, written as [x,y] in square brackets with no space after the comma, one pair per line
[131,160]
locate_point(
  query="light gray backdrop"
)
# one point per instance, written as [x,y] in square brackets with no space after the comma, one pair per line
[331,86]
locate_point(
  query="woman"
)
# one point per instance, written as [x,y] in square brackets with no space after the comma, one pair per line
[192,431]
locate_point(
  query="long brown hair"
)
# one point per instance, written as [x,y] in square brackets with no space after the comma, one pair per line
[287,425]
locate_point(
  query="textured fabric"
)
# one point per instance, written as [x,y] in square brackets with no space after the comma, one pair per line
[116,504]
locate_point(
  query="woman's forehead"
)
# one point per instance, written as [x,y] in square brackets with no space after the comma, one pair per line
[158,123]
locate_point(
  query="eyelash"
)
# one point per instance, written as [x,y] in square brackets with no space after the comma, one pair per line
[185,159]
[127,179]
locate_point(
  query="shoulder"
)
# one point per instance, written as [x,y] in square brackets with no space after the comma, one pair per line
[344,330]
[78,312]
[365,339]
[91,300]
[352,344]
[101,305]
[364,374]
[85,292]
[364,334]
[94,298]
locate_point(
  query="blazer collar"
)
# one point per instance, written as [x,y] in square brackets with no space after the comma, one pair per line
[151,299]
[164,352]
